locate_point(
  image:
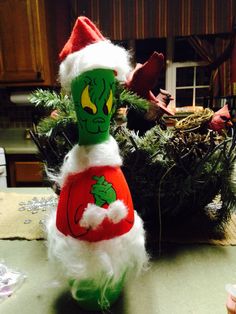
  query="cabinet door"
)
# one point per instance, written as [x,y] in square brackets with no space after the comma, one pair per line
[28,171]
[23,42]
[24,170]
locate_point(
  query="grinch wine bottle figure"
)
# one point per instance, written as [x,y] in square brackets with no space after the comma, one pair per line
[95,234]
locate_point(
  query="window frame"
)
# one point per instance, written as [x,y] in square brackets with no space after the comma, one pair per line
[171,72]
[171,80]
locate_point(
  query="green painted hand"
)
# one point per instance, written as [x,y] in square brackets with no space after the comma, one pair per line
[103,191]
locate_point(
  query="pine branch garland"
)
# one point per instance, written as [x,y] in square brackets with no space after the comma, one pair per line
[176,173]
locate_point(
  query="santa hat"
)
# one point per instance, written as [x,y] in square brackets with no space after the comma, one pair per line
[86,50]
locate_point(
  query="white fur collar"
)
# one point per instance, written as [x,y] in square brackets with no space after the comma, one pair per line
[83,157]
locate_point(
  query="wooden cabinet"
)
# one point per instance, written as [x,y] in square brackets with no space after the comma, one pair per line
[25,51]
[28,171]
[25,171]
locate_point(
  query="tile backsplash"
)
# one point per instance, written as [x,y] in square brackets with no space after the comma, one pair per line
[14,116]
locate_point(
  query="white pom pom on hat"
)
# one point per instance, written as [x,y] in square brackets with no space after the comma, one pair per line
[87,49]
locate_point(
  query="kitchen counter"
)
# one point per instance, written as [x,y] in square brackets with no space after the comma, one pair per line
[23,161]
[185,278]
[13,141]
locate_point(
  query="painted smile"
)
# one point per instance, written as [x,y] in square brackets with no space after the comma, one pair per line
[98,126]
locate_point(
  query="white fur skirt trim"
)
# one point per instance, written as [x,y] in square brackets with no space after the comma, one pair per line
[108,259]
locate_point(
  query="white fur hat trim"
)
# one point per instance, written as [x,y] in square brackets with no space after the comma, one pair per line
[100,55]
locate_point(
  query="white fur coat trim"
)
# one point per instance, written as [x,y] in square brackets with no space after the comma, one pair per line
[100,55]
[83,157]
[98,261]
[94,215]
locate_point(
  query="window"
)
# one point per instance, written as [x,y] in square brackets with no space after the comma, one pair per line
[191,84]
[187,77]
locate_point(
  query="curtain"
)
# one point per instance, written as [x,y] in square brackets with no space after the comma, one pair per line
[140,19]
[216,52]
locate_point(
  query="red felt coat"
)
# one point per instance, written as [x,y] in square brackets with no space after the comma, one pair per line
[78,193]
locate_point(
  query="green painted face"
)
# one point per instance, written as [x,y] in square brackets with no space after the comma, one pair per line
[92,94]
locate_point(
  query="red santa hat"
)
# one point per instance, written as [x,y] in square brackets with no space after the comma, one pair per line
[87,49]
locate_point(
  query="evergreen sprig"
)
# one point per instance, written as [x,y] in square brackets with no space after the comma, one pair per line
[133,100]
[51,100]
[47,124]
[124,97]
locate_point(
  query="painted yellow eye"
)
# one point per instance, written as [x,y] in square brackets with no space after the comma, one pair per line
[109,102]
[86,102]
